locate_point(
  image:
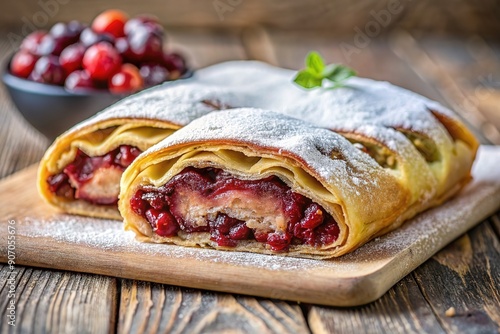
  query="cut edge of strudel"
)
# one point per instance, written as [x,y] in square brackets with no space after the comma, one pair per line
[258,181]
[80,172]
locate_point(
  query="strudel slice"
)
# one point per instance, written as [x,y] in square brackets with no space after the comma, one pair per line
[80,172]
[258,181]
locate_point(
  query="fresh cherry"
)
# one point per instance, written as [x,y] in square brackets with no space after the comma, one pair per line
[22,63]
[153,74]
[150,22]
[79,80]
[111,21]
[101,61]
[48,70]
[175,64]
[146,45]
[89,37]
[71,57]
[60,37]
[31,43]
[127,80]
[66,33]
[123,47]
[76,28]
[47,46]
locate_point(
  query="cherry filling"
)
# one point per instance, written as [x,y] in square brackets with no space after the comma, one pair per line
[93,179]
[231,209]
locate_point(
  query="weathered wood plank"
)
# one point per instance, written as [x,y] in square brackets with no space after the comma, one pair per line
[155,308]
[204,47]
[495,222]
[20,144]
[50,301]
[402,310]
[342,16]
[465,71]
[465,275]
[375,61]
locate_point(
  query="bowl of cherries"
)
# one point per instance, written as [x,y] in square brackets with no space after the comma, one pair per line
[60,77]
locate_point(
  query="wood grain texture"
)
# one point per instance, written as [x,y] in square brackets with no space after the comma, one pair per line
[391,59]
[465,275]
[50,301]
[203,47]
[290,51]
[465,71]
[20,144]
[401,310]
[495,222]
[47,238]
[340,15]
[155,308]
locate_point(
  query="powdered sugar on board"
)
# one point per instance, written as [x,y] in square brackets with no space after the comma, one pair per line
[408,246]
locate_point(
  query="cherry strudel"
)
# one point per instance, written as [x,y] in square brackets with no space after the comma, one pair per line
[80,172]
[259,181]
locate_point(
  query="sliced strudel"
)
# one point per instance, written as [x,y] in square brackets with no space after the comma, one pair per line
[258,181]
[80,172]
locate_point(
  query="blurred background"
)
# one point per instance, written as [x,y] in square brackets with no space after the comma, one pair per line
[447,50]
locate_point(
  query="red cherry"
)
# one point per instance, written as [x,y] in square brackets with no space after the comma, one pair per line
[127,80]
[123,47]
[31,42]
[71,57]
[148,21]
[22,63]
[127,155]
[154,74]
[66,33]
[146,45]
[101,61]
[279,241]
[175,64]
[61,35]
[111,21]
[313,216]
[89,37]
[79,80]
[48,70]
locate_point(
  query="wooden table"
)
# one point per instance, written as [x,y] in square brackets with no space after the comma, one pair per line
[463,73]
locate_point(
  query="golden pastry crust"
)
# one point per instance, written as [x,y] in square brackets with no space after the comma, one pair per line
[141,121]
[410,136]
[365,198]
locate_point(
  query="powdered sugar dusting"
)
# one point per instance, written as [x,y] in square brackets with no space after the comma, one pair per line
[363,105]
[314,145]
[109,236]
[409,245]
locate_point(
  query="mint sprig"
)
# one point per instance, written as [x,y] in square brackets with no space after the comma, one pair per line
[316,72]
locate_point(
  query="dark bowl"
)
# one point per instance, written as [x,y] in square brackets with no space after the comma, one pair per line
[52,109]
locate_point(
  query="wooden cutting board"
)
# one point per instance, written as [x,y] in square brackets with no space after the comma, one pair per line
[46,238]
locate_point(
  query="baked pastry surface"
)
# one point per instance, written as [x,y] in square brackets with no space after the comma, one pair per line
[413,137]
[369,181]
[139,121]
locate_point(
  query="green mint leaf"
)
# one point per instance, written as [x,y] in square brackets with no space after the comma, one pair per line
[316,71]
[338,73]
[307,79]
[314,62]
